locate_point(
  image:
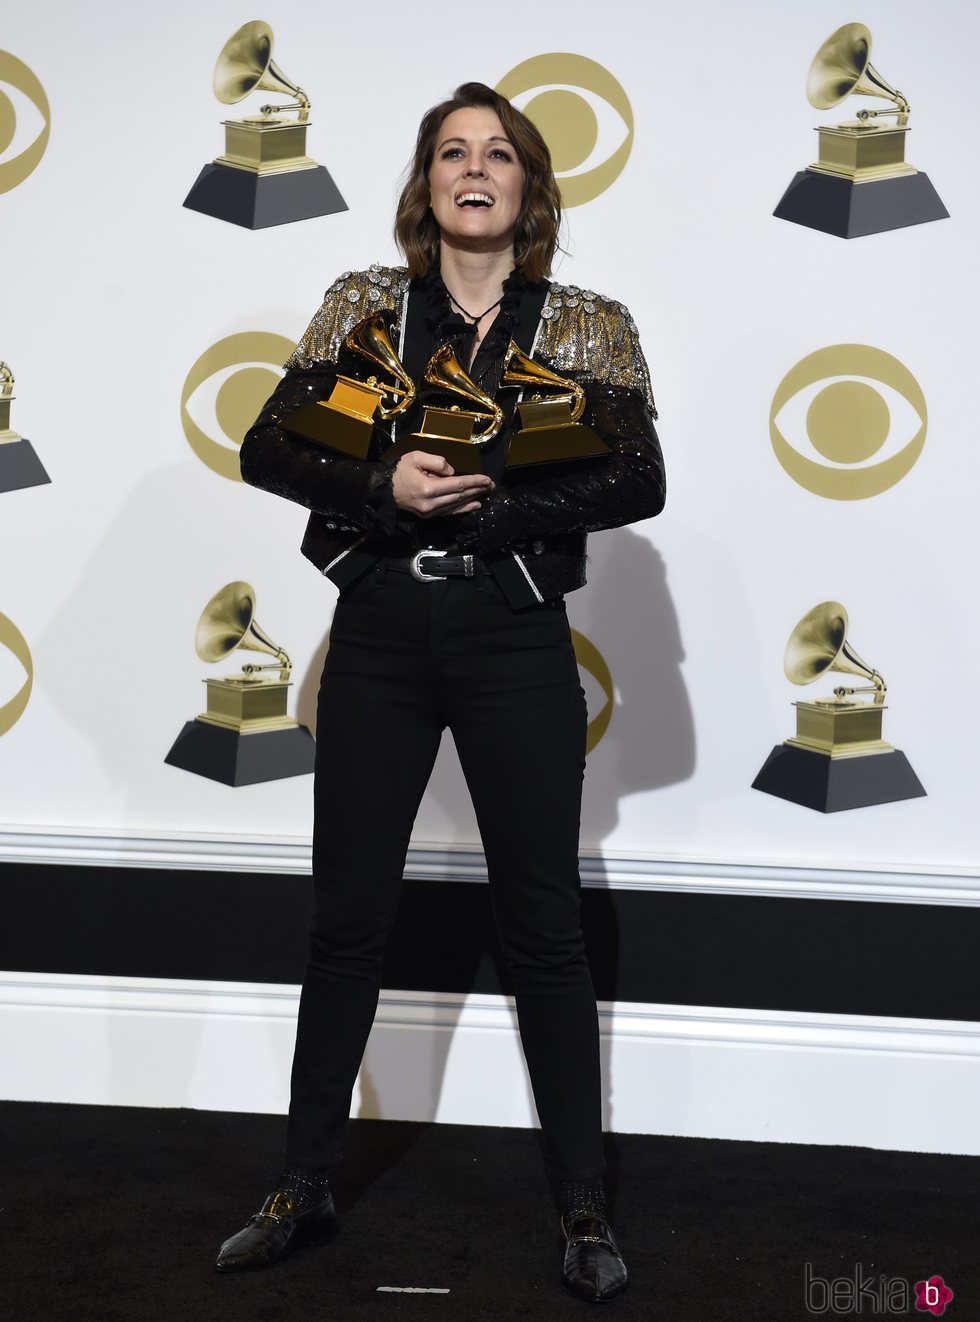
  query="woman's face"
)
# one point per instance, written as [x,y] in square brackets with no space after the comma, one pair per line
[476,182]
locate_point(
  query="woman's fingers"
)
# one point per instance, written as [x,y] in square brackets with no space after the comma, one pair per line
[428,463]
[459,491]
[427,485]
[447,511]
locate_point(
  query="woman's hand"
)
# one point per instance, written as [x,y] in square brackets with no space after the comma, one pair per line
[425,484]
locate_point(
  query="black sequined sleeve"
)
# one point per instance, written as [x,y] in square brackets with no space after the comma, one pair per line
[625,486]
[351,493]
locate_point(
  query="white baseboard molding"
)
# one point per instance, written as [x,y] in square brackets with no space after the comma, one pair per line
[902,1084]
[466,863]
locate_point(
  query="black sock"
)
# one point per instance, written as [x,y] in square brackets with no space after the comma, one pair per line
[582,1198]
[306,1188]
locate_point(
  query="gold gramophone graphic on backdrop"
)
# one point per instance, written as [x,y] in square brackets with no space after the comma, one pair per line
[19,465]
[245,736]
[837,758]
[345,421]
[861,183]
[550,429]
[264,177]
[456,433]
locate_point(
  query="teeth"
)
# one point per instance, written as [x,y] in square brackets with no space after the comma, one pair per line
[482,198]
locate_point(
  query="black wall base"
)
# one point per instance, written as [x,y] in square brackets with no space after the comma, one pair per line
[20,467]
[850,210]
[242,759]
[829,784]
[652,947]
[256,201]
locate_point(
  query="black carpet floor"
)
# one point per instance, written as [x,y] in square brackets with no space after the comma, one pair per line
[114,1215]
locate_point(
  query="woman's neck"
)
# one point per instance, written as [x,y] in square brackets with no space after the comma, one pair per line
[474,279]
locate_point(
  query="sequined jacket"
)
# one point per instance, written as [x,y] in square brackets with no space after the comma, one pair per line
[532,529]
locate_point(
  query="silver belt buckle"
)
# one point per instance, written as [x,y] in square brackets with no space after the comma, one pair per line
[415,568]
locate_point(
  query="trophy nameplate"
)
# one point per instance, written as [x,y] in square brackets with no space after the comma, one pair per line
[246,735]
[837,759]
[861,183]
[549,430]
[454,433]
[345,421]
[264,176]
[19,465]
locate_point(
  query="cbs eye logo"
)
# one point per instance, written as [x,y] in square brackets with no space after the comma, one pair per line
[232,381]
[16,113]
[575,104]
[860,410]
[13,641]
[591,660]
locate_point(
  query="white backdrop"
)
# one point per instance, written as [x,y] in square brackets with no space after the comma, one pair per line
[111,291]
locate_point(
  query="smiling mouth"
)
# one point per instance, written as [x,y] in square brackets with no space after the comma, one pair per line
[474,200]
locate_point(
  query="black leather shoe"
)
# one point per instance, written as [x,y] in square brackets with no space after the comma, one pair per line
[274,1232]
[593,1268]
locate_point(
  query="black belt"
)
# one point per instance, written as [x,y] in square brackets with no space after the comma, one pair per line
[430,566]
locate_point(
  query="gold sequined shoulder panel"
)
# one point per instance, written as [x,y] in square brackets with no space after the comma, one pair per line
[582,331]
[352,297]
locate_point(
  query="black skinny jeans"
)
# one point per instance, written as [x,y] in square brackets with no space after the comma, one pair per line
[406,660]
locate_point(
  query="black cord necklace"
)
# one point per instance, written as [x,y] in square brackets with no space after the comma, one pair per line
[476,320]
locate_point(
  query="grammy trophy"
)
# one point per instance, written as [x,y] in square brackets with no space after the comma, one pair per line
[550,429]
[345,421]
[837,759]
[456,433]
[264,177]
[19,465]
[245,736]
[861,183]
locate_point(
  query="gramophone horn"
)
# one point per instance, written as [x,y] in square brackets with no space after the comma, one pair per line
[520,370]
[370,339]
[227,623]
[446,372]
[819,643]
[246,64]
[842,67]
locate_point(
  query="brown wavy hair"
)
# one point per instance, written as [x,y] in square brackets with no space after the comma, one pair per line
[536,232]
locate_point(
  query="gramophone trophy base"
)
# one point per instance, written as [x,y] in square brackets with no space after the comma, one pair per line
[445,432]
[248,703]
[839,728]
[851,209]
[257,201]
[265,145]
[345,422]
[19,466]
[463,455]
[835,784]
[234,758]
[862,151]
[550,445]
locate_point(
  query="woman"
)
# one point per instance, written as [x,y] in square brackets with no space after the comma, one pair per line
[472,635]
